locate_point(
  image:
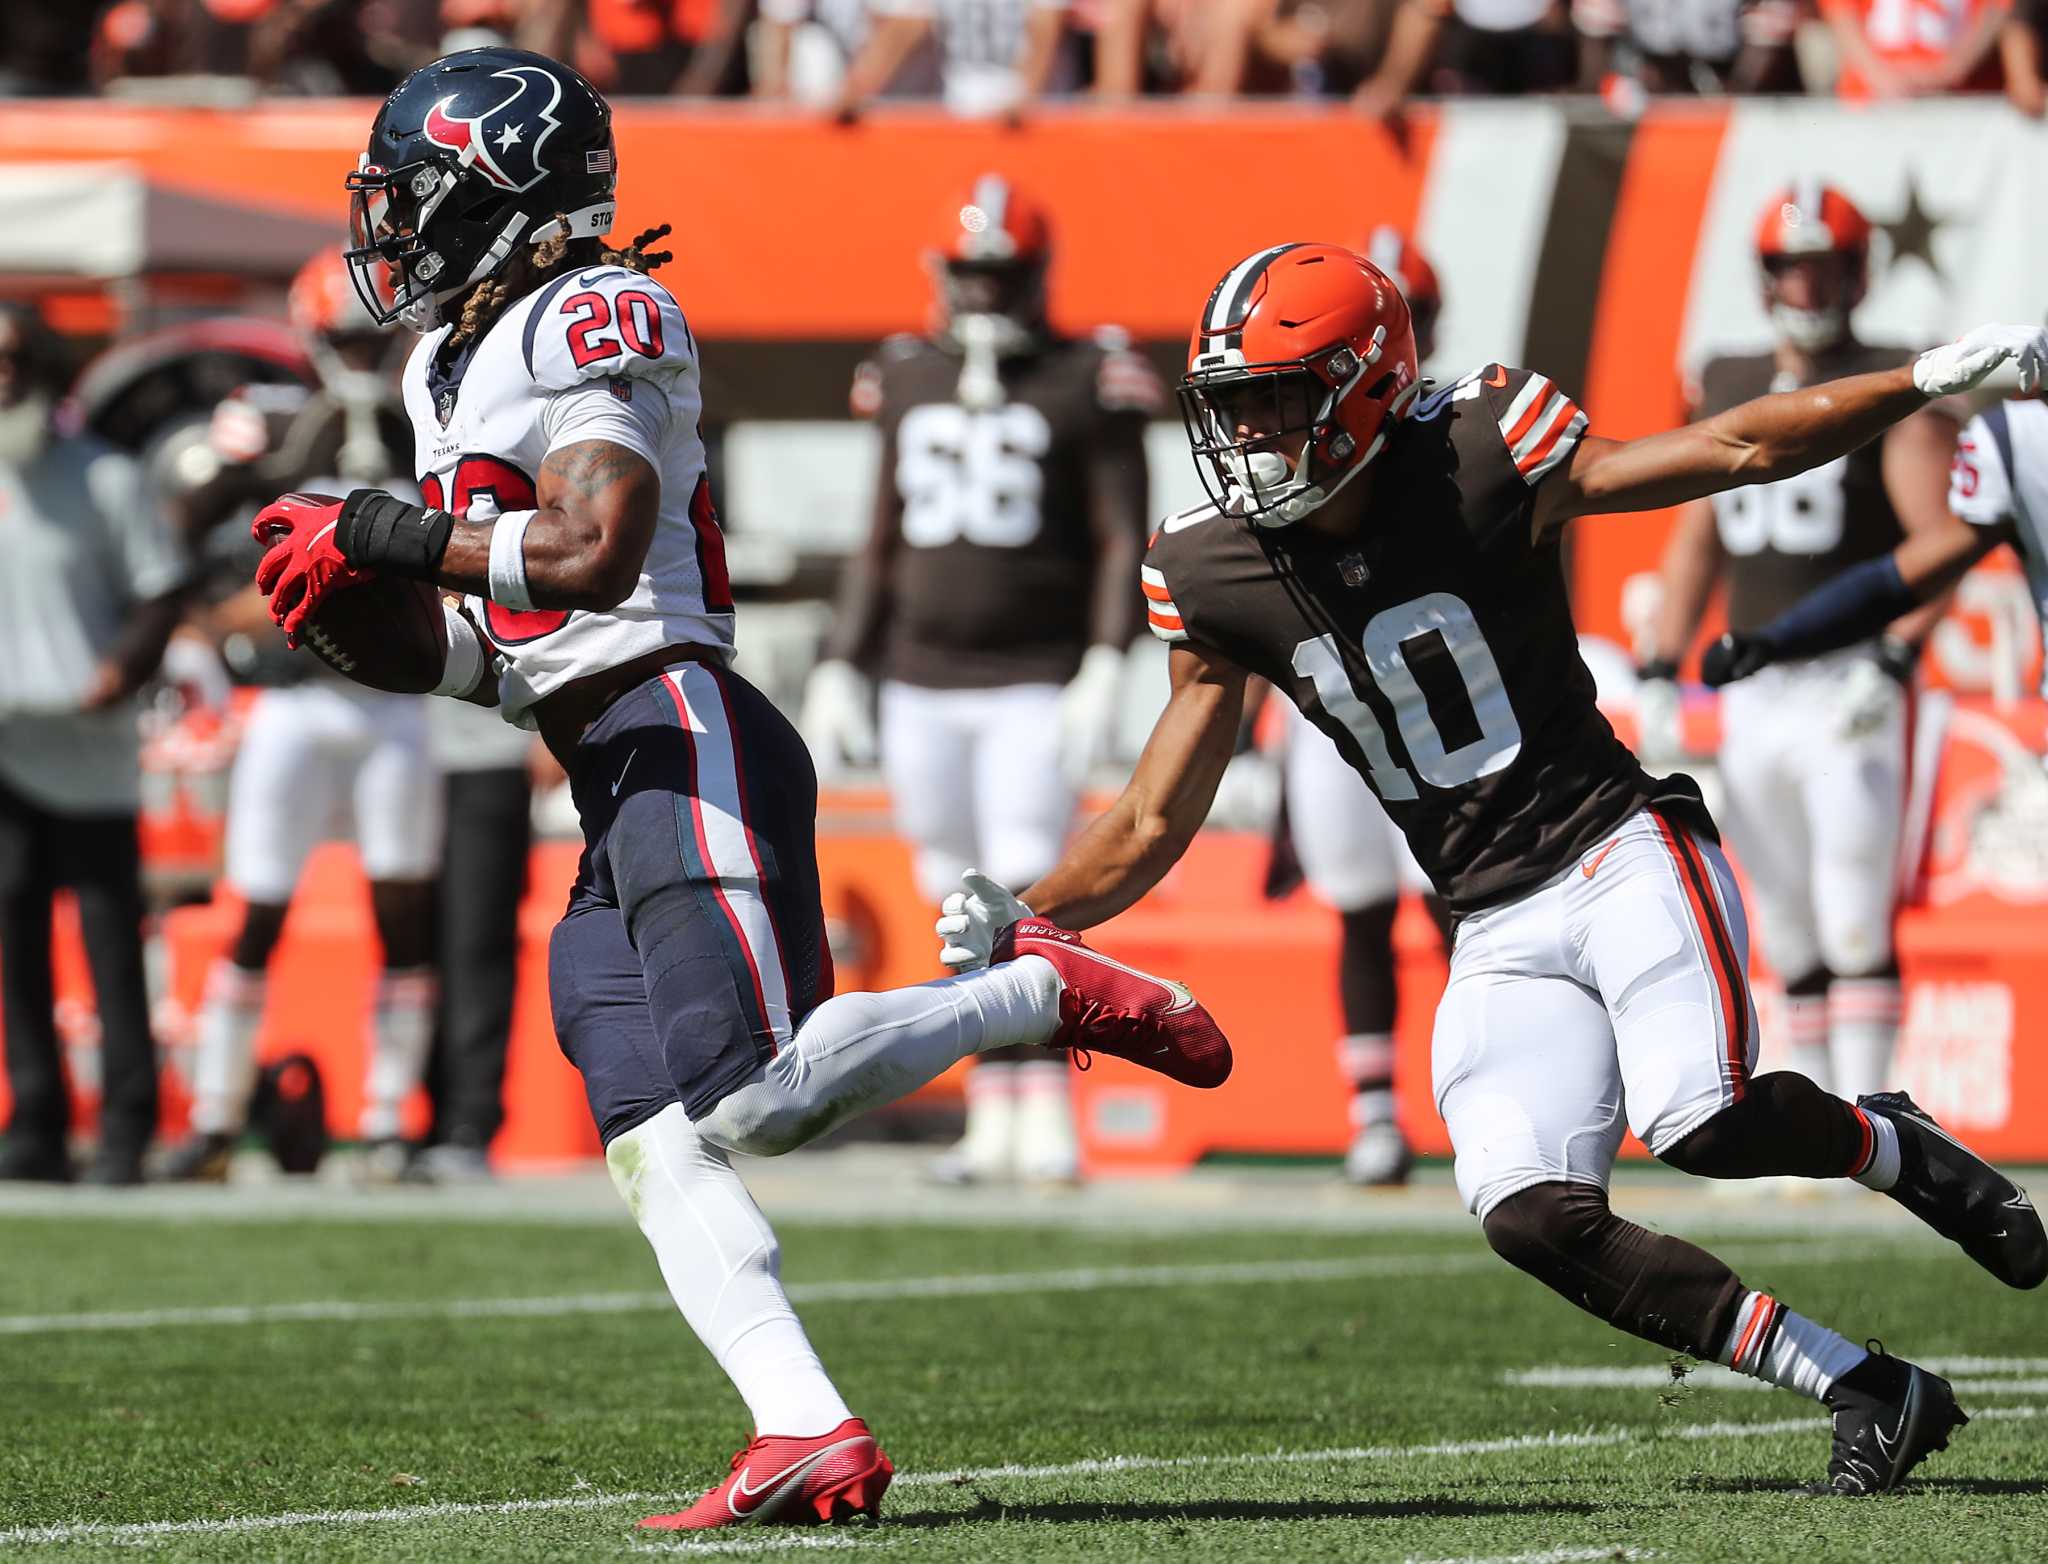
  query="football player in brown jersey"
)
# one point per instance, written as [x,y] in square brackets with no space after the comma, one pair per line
[1391,560]
[1813,754]
[1352,856]
[992,602]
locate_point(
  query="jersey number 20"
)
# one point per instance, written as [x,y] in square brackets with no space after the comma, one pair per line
[1437,634]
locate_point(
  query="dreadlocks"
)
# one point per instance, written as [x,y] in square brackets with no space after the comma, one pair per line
[547,258]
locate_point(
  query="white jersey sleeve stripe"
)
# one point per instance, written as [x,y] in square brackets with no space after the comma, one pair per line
[1562,444]
[1525,399]
[1553,412]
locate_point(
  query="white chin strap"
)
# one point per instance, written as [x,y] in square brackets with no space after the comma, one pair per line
[1810,330]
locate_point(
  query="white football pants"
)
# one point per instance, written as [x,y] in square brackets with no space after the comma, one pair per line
[1615,994]
[1815,816]
[309,751]
[976,781]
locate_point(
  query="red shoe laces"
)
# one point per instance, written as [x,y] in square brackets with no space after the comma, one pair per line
[1108,1026]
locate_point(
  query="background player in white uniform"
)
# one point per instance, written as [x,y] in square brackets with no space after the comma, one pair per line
[1814,756]
[1353,856]
[317,750]
[555,396]
[993,602]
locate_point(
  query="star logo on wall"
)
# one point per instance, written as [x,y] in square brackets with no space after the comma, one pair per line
[1911,233]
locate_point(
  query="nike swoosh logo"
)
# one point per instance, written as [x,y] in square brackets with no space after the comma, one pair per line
[316,537]
[1598,858]
[628,766]
[795,1472]
[1499,378]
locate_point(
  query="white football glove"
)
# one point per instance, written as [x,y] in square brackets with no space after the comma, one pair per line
[836,722]
[1958,365]
[1660,730]
[971,918]
[1871,699]
[1088,711]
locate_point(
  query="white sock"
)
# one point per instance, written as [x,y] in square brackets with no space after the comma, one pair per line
[1367,1060]
[1863,1030]
[723,1267]
[858,1051]
[1806,1038]
[401,1029]
[224,1055]
[1047,1147]
[1770,1342]
[1880,1169]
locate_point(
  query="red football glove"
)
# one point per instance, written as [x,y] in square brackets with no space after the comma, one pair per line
[303,566]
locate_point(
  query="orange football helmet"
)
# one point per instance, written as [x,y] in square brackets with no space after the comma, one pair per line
[990,256]
[323,302]
[1304,355]
[1394,253]
[1813,230]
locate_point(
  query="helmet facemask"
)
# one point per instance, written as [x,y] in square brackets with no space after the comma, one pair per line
[1269,440]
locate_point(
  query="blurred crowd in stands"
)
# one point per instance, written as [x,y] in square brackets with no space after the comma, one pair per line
[998,56]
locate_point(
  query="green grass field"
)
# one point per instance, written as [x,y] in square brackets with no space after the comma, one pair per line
[1251,1367]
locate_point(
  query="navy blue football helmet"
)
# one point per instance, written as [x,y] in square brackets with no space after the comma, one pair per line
[470,157]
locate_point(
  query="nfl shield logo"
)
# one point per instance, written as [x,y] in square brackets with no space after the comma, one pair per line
[445,409]
[1354,570]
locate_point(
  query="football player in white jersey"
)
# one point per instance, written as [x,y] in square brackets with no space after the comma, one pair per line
[1998,493]
[555,394]
[314,741]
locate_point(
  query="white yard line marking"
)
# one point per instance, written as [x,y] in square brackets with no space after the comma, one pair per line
[1548,1556]
[866,1290]
[766,1545]
[1971,1376]
[1555,1439]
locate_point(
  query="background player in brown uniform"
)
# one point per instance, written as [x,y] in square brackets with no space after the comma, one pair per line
[1391,560]
[1814,754]
[993,601]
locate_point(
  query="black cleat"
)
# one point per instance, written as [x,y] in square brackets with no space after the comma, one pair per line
[198,1159]
[1961,1196]
[34,1161]
[1889,1415]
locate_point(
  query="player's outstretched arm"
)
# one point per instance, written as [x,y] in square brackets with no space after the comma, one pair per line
[1774,437]
[1126,851]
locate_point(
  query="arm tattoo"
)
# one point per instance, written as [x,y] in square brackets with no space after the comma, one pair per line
[590,466]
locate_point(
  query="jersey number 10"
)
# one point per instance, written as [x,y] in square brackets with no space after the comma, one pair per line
[1470,700]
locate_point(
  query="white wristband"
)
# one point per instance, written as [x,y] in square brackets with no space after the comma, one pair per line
[508,560]
[465,665]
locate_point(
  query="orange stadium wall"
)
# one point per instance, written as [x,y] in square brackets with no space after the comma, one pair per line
[1612,255]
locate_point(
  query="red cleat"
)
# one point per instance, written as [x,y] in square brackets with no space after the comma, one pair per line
[1109,1008]
[819,1481]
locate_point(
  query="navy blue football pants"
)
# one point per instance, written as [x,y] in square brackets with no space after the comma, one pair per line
[693,944]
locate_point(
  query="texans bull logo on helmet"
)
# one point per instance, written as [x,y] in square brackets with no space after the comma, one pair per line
[503,143]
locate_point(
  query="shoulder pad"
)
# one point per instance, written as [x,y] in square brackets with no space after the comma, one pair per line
[1538,423]
[602,323]
[1125,381]
[900,345]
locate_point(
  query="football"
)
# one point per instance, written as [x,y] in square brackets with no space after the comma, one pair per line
[386,632]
